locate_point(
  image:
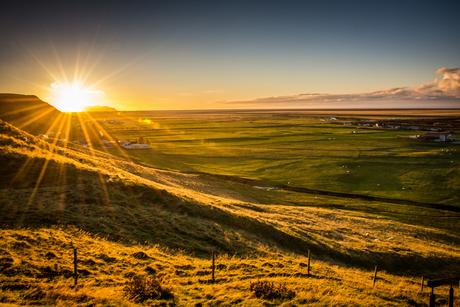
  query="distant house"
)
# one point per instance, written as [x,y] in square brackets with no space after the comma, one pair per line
[128,145]
[434,129]
[437,136]
[394,126]
[414,128]
[137,146]
[347,123]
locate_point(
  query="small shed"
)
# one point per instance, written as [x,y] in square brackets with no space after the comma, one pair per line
[437,136]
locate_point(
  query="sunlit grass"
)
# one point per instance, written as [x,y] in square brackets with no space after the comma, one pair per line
[43,268]
[115,211]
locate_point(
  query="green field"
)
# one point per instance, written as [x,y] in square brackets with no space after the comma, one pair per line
[303,151]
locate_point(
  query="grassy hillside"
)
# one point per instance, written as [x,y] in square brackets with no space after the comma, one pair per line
[27,112]
[37,269]
[127,219]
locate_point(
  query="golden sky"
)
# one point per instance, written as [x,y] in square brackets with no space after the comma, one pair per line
[141,55]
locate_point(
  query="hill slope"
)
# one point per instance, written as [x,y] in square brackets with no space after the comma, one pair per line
[28,112]
[46,186]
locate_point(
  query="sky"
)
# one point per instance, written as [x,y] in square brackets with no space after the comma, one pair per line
[149,55]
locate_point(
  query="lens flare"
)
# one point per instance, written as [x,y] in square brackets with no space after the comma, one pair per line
[74,98]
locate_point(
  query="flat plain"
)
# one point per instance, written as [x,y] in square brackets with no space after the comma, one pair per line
[304,150]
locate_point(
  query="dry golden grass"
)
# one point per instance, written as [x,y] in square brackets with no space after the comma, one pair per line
[41,272]
[127,220]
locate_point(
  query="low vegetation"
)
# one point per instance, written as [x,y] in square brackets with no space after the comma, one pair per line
[144,233]
[141,288]
[35,275]
[268,290]
[299,150]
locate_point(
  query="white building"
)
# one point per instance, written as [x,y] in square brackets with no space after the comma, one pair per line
[437,136]
[136,146]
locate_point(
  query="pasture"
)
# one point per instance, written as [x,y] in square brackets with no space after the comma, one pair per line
[299,150]
[128,217]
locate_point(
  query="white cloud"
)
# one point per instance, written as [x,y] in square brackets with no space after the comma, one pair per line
[444,89]
[451,81]
[56,86]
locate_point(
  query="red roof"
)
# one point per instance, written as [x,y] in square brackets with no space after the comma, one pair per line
[436,134]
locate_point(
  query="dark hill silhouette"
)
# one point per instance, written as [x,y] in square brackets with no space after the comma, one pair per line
[27,112]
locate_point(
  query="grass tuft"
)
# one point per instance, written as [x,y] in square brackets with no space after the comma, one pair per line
[141,288]
[268,290]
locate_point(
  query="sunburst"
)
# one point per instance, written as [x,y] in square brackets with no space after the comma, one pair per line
[74,98]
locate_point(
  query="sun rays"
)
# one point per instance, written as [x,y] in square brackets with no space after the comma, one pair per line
[71,89]
[71,99]
[55,157]
[74,98]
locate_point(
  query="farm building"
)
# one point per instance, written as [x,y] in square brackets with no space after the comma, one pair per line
[437,136]
[129,145]
[137,146]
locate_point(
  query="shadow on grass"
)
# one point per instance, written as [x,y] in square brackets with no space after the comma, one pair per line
[128,211]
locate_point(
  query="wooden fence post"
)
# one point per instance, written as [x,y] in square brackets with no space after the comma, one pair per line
[432,298]
[75,265]
[375,276]
[308,267]
[439,282]
[213,266]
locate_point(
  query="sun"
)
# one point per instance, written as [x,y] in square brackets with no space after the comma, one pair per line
[73,98]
